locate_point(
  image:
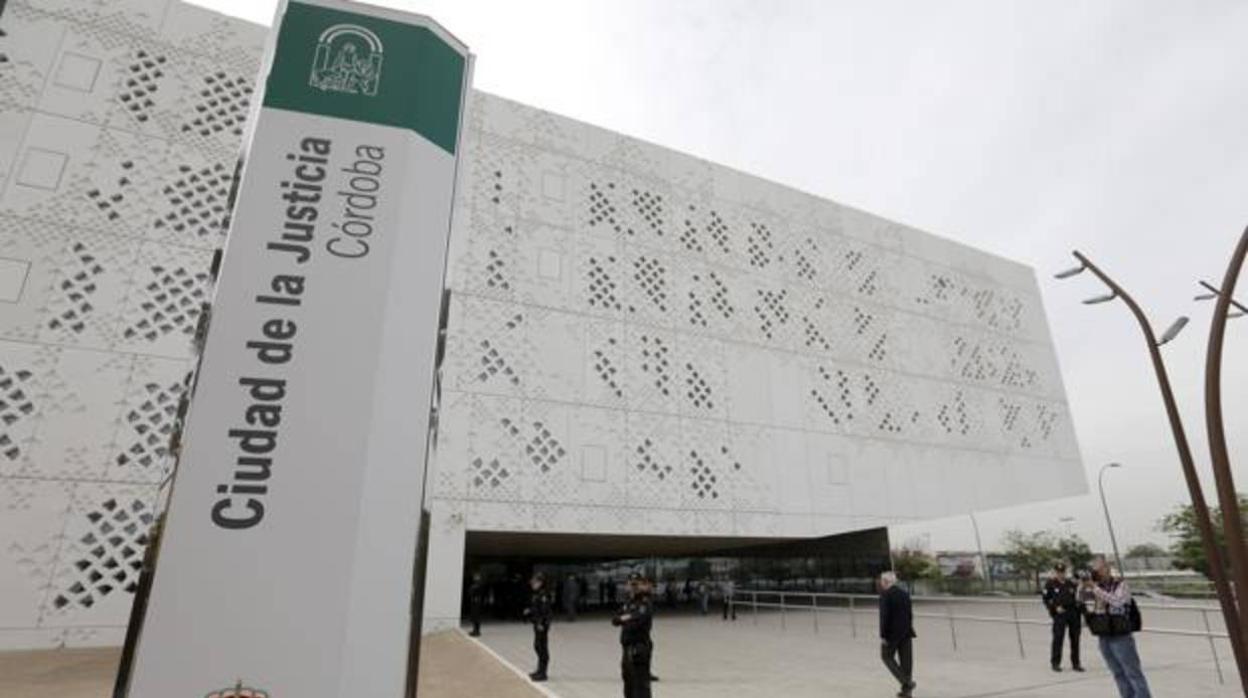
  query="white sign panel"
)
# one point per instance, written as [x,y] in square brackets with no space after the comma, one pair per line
[286,566]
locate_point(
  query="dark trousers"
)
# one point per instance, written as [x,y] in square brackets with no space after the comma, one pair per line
[541,645]
[730,607]
[635,667]
[1063,624]
[899,658]
[474,614]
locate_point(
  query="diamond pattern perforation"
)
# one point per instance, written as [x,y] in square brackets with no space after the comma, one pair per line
[605,366]
[544,450]
[143,77]
[648,462]
[697,391]
[656,363]
[953,415]
[221,107]
[489,473]
[198,202]
[703,480]
[602,292]
[759,246]
[16,404]
[110,553]
[651,276]
[77,287]
[690,233]
[170,303]
[151,423]
[772,311]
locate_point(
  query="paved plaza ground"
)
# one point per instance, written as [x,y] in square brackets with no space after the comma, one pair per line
[699,657]
[704,657]
[452,666]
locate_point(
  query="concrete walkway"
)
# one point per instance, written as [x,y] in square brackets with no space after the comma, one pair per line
[699,657]
[452,666]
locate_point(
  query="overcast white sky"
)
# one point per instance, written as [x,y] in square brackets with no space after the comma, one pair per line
[1023,128]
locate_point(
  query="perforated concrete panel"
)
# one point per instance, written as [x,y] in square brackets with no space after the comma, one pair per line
[120,124]
[644,342]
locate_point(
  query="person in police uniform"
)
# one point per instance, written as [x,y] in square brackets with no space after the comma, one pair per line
[634,621]
[476,601]
[540,611]
[1061,599]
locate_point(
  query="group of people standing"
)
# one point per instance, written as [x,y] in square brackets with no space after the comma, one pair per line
[1105,602]
[634,619]
[1099,598]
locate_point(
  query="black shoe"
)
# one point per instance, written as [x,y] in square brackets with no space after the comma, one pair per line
[537,676]
[653,678]
[474,634]
[1057,668]
[1078,668]
[907,690]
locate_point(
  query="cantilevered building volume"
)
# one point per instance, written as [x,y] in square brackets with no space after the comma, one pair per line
[647,354]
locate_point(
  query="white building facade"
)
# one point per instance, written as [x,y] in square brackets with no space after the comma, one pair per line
[640,343]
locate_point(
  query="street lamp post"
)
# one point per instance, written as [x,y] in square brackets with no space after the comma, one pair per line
[983,559]
[1113,540]
[1220,457]
[1230,609]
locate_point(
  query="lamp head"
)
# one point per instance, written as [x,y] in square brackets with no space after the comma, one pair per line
[1073,271]
[1173,331]
[1101,299]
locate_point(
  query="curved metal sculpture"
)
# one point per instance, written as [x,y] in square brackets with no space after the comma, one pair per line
[1226,598]
[1228,498]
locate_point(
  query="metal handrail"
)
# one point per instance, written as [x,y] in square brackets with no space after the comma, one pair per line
[987,600]
[785,606]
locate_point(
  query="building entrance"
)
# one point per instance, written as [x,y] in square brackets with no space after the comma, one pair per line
[587,573]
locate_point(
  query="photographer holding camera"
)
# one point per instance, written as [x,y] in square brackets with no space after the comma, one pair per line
[1113,618]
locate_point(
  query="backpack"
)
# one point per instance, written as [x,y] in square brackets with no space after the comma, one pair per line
[1133,613]
[1111,624]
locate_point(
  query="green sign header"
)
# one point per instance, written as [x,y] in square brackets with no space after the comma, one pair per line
[364,68]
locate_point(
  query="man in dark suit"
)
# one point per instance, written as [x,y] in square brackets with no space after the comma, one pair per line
[897,633]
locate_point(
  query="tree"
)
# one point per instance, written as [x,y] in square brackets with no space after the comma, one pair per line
[1075,551]
[910,564]
[1145,550]
[1186,545]
[1031,554]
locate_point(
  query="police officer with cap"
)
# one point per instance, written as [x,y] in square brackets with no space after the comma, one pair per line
[540,611]
[1060,598]
[634,621]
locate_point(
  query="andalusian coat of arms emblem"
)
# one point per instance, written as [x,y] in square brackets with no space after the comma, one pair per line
[238,691]
[348,59]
